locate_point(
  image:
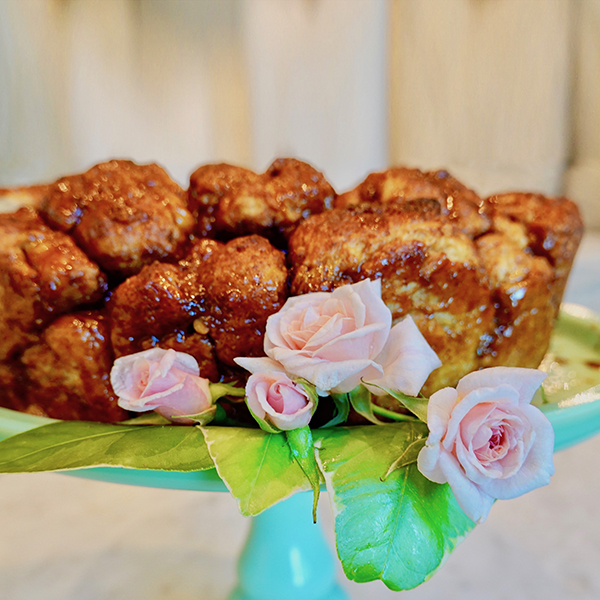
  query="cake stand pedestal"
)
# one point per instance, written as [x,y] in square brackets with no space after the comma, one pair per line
[286,557]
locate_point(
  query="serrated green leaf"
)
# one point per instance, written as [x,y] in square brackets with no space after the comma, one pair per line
[302,449]
[68,445]
[398,530]
[257,467]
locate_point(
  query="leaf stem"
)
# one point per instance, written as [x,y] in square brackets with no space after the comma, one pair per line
[390,414]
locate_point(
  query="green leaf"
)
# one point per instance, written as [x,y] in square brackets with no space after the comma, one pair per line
[302,449]
[342,410]
[417,406]
[399,529]
[257,467]
[408,457]
[147,418]
[360,398]
[68,445]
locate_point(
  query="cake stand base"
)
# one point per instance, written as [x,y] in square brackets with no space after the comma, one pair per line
[286,557]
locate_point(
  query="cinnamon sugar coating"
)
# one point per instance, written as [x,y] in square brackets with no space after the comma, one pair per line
[232,201]
[157,308]
[428,269]
[122,215]
[457,202]
[67,371]
[244,281]
[483,279]
[43,274]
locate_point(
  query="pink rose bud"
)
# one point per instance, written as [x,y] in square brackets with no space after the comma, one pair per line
[273,397]
[335,339]
[486,439]
[162,380]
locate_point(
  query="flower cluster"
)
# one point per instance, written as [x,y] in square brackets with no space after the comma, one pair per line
[485,439]
[334,341]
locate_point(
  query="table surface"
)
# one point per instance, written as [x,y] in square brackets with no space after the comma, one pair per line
[63,538]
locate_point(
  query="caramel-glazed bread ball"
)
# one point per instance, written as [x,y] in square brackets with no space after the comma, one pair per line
[231,201]
[122,215]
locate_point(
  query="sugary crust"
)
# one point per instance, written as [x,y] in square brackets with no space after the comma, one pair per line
[232,201]
[67,371]
[457,203]
[244,282]
[428,268]
[483,279]
[123,215]
[43,274]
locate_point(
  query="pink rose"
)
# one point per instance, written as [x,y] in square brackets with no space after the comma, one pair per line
[335,339]
[486,440]
[162,380]
[273,397]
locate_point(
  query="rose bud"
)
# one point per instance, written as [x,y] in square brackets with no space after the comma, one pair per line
[273,398]
[165,381]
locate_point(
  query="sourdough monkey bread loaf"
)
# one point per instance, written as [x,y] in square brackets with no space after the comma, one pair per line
[121,259]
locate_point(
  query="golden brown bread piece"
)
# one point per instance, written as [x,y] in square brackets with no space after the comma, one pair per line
[122,215]
[213,304]
[11,199]
[42,274]
[551,228]
[482,279]
[457,203]
[244,281]
[67,372]
[158,307]
[232,201]
[428,268]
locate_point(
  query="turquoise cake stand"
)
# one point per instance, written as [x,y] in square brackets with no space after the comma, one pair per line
[288,558]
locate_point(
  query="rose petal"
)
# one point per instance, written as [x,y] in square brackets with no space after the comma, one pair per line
[538,466]
[324,374]
[428,463]
[439,410]
[475,503]
[260,365]
[275,398]
[407,360]
[524,381]
[502,394]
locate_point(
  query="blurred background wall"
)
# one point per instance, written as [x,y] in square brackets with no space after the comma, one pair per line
[503,93]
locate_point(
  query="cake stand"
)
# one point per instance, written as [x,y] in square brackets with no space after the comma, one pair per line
[286,556]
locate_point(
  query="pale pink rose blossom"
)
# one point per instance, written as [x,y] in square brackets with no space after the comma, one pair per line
[273,397]
[165,381]
[486,439]
[336,339]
